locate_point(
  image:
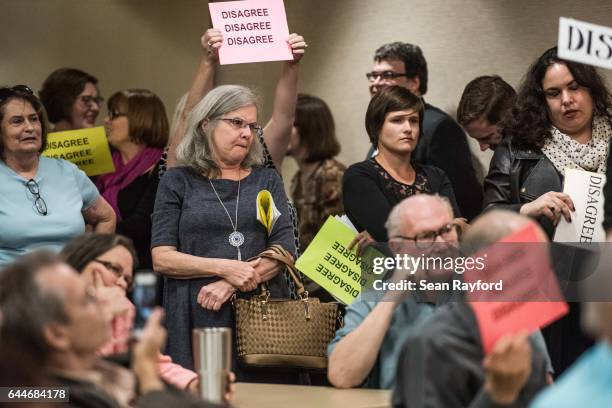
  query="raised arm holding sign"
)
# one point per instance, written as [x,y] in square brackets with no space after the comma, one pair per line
[278,129]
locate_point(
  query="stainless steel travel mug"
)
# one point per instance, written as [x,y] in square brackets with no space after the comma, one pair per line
[212,356]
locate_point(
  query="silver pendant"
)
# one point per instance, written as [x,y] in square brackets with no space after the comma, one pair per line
[236,239]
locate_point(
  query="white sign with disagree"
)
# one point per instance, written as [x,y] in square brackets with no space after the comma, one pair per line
[586,191]
[585,42]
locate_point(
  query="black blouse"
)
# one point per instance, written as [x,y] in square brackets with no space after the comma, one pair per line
[136,202]
[369,193]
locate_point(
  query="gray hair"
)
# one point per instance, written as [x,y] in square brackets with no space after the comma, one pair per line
[195,150]
[394,221]
[178,112]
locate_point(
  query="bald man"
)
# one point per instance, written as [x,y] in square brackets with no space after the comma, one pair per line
[364,351]
[443,364]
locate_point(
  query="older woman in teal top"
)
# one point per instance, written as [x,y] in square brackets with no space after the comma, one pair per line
[44,202]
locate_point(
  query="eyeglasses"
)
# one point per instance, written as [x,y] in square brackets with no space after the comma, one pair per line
[6,92]
[426,239]
[115,269]
[39,203]
[113,114]
[386,75]
[89,99]
[239,123]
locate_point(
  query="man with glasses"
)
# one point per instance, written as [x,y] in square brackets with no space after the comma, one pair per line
[365,351]
[442,142]
[444,365]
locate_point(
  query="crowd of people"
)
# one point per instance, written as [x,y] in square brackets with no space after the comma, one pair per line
[182,201]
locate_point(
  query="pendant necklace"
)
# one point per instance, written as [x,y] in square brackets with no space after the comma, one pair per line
[236,238]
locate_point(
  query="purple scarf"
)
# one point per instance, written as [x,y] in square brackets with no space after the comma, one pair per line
[110,184]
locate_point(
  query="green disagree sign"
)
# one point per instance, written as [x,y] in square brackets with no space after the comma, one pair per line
[329,263]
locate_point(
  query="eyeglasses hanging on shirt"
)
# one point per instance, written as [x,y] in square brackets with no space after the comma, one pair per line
[39,202]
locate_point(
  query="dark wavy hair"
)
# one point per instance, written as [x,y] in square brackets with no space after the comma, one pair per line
[529,124]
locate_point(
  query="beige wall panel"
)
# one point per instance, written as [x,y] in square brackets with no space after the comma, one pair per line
[155,44]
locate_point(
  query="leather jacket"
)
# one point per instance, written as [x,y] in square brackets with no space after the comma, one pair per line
[519,176]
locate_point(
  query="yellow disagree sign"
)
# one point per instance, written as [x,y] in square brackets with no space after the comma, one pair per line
[329,263]
[87,148]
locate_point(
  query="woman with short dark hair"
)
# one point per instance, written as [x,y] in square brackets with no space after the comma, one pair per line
[71,98]
[137,128]
[44,201]
[371,188]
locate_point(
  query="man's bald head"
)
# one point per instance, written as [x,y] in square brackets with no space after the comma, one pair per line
[410,213]
[495,225]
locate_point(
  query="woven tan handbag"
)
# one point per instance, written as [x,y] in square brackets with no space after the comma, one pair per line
[284,332]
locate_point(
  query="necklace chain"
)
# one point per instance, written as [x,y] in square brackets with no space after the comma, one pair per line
[236,238]
[235,227]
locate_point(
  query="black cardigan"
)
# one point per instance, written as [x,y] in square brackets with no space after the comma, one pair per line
[368,203]
[136,203]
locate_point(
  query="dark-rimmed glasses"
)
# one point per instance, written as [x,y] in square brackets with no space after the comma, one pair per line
[39,203]
[426,239]
[386,75]
[6,92]
[113,114]
[115,269]
[239,123]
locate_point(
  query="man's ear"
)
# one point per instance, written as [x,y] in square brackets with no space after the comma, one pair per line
[56,336]
[414,85]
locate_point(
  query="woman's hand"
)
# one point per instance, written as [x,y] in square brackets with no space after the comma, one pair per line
[362,240]
[552,205]
[214,295]
[211,42]
[239,274]
[266,268]
[113,298]
[298,46]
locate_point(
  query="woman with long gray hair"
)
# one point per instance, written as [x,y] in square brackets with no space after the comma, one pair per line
[205,221]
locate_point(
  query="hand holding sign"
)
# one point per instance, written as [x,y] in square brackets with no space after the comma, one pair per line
[552,205]
[508,367]
[211,42]
[298,46]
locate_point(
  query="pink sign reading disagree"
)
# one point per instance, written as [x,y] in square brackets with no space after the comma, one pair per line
[253,31]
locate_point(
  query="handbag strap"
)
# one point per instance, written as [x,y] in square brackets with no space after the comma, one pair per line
[283,256]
